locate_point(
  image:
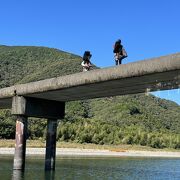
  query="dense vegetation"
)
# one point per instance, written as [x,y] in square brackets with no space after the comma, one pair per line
[133,119]
[26,64]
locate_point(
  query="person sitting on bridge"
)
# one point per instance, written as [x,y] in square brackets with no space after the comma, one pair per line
[119,52]
[86,64]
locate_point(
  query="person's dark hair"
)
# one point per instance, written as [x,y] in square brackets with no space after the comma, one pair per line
[117,46]
[87,55]
[119,41]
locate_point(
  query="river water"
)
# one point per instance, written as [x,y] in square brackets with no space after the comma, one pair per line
[76,168]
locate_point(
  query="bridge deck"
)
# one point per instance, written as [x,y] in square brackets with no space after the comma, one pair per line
[153,74]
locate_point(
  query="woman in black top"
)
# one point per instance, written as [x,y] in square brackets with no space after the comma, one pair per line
[118,52]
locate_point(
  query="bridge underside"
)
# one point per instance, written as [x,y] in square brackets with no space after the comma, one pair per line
[133,85]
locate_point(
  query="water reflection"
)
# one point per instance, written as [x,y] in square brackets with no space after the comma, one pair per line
[17,175]
[49,175]
[96,168]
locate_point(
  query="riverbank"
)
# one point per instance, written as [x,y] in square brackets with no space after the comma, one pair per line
[93,152]
[37,147]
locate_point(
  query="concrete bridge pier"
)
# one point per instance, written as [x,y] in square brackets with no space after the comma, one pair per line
[23,107]
[51,144]
[20,143]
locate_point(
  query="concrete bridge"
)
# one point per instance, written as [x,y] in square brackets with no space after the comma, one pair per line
[46,98]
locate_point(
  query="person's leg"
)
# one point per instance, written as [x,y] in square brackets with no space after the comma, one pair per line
[116,58]
[84,69]
[120,57]
[116,62]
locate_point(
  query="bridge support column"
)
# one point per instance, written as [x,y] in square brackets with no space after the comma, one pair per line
[20,143]
[33,107]
[51,144]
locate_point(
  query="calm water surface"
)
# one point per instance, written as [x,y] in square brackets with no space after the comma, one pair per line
[94,168]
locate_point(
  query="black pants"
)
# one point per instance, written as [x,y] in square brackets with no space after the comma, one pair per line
[118,58]
[118,62]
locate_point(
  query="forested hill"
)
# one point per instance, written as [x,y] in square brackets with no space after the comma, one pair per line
[20,64]
[131,119]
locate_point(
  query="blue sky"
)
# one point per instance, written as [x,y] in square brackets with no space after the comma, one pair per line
[147,28]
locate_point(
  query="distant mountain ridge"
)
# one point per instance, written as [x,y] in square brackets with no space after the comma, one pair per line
[131,119]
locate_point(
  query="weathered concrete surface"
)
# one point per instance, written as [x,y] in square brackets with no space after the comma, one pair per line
[153,74]
[20,144]
[34,107]
[51,144]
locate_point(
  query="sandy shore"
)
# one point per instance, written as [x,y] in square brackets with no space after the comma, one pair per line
[93,152]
